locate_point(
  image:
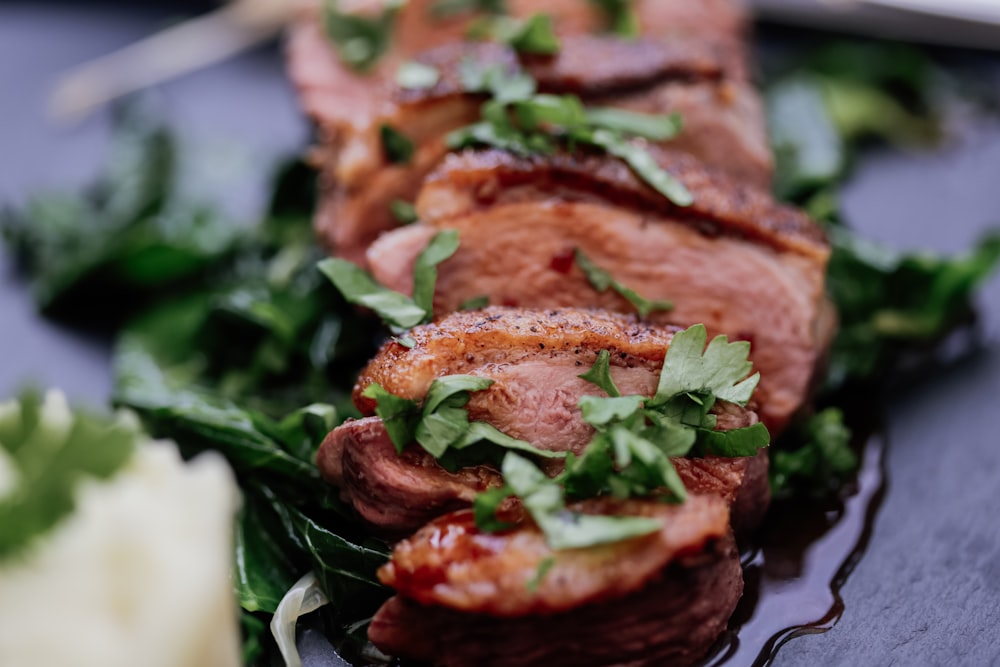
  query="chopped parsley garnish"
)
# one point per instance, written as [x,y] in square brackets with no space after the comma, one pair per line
[413,75]
[532,36]
[404,212]
[396,146]
[635,438]
[360,40]
[448,8]
[601,280]
[398,311]
[475,303]
[620,17]
[520,120]
[441,423]
[45,451]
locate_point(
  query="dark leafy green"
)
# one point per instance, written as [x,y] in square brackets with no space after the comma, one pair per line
[128,237]
[820,463]
[889,302]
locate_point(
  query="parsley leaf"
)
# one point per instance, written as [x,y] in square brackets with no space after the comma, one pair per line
[544,499]
[399,415]
[600,374]
[526,123]
[46,450]
[643,164]
[721,369]
[397,310]
[535,36]
[447,8]
[360,40]
[601,280]
[629,454]
[404,212]
[396,146]
[647,126]
[413,75]
[620,17]
[475,303]
[441,426]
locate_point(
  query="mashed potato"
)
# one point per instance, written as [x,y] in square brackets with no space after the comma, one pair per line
[139,574]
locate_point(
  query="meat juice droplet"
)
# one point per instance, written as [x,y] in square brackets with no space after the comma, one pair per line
[562,262]
[798,562]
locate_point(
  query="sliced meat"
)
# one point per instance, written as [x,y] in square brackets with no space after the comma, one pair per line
[742,482]
[535,359]
[693,72]
[734,260]
[393,492]
[463,598]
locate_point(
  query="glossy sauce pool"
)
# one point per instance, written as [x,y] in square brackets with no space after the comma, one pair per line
[800,558]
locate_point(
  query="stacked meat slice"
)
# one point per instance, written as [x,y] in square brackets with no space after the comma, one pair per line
[690,60]
[466,598]
[533,230]
[534,359]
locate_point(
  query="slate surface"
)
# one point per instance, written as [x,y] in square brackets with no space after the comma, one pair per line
[927,592]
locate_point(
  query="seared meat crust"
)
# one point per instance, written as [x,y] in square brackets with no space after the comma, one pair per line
[734,260]
[534,358]
[690,67]
[644,606]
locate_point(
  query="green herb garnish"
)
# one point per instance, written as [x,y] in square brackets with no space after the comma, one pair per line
[440,424]
[398,311]
[360,40]
[520,120]
[413,75]
[475,303]
[404,212]
[634,440]
[620,17]
[601,280]
[47,450]
[448,8]
[536,37]
[396,146]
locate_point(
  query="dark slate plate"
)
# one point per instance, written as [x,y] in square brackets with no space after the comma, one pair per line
[927,589]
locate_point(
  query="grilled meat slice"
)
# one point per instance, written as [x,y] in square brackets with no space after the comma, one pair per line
[693,72]
[535,359]
[396,493]
[734,260]
[463,597]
